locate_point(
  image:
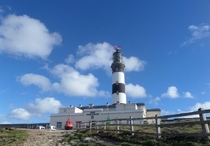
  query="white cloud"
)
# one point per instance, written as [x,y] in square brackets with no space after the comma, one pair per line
[71,82]
[135,91]
[190,116]
[75,84]
[172,92]
[187,95]
[38,107]
[41,106]
[5,122]
[205,105]
[25,36]
[155,100]
[37,80]
[198,32]
[20,113]
[179,111]
[70,59]
[99,55]
[1,10]
[2,117]
[95,56]
[133,64]
[164,112]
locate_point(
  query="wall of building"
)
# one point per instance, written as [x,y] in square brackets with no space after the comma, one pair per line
[152,114]
[91,113]
[69,110]
[87,116]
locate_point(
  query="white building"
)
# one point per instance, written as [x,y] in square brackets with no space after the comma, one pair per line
[119,108]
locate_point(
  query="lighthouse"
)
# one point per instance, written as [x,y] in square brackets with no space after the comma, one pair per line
[119,108]
[118,77]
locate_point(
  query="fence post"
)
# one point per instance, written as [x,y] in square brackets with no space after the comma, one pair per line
[205,127]
[80,125]
[131,126]
[104,126]
[97,123]
[90,125]
[117,126]
[157,124]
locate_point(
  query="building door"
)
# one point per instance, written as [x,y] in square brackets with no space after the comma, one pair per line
[78,124]
[59,125]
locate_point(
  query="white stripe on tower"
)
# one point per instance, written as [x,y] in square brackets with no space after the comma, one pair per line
[118,78]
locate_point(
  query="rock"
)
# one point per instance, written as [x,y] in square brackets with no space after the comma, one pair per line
[89,139]
[74,142]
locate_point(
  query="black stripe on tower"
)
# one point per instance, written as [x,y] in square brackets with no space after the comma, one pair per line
[117,65]
[117,69]
[118,87]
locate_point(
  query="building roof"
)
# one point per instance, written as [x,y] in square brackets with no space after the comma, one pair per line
[153,109]
[107,106]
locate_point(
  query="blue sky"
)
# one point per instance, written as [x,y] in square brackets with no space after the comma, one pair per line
[58,53]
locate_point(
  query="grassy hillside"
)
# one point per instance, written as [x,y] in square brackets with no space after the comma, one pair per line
[12,137]
[125,139]
[15,137]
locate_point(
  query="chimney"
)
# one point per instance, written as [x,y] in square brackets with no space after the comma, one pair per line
[107,104]
[91,105]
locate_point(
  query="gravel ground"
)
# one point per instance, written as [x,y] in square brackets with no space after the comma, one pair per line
[52,138]
[45,137]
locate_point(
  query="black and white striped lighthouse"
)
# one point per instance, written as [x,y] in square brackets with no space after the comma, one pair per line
[118,78]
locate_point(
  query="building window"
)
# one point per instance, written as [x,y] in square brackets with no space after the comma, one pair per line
[92,116]
[93,122]
[59,125]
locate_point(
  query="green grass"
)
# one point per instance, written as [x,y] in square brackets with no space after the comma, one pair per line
[73,137]
[178,129]
[12,137]
[141,140]
[125,139]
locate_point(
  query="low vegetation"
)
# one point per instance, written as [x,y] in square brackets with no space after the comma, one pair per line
[125,138]
[12,137]
[15,137]
[142,140]
[77,135]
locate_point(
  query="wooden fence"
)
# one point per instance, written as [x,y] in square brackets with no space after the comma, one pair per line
[102,125]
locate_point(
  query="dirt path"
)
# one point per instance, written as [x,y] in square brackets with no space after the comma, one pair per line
[45,137]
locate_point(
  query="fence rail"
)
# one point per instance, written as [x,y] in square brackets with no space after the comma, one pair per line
[118,124]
